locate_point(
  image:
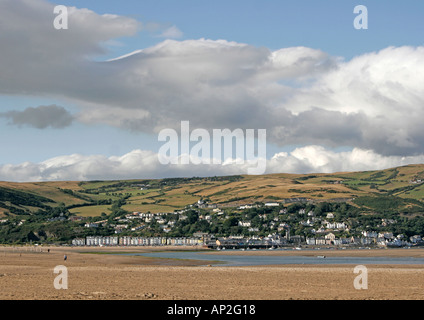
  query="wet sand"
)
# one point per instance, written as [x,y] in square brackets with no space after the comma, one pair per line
[93,275]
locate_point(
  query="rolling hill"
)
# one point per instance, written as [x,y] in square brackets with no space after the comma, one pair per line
[399,187]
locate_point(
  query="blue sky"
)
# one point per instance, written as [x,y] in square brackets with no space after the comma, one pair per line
[323,27]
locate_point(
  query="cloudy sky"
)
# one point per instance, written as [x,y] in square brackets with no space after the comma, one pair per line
[89,101]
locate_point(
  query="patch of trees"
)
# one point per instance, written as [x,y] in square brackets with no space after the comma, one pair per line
[386,203]
[20,198]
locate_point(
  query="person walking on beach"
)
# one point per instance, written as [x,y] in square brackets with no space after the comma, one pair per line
[65,257]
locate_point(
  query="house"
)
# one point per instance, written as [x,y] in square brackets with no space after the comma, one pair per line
[320,241]
[330,236]
[161,221]
[77,218]
[121,226]
[134,215]
[321,230]
[91,225]
[201,204]
[272,204]
[78,242]
[297,239]
[330,215]
[247,206]
[386,222]
[368,240]
[305,223]
[385,235]
[93,241]
[355,240]
[370,234]
[201,235]
[244,223]
[336,225]
[310,241]
[338,242]
[415,239]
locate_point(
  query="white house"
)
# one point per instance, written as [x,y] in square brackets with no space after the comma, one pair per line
[272,204]
[78,242]
[310,241]
[244,223]
[336,225]
[243,207]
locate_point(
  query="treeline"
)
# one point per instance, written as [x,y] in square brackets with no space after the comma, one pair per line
[390,204]
[52,225]
[15,201]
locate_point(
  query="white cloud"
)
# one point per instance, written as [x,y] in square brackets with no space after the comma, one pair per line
[171,33]
[145,164]
[316,159]
[38,59]
[301,95]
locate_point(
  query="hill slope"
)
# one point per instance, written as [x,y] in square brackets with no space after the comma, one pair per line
[167,195]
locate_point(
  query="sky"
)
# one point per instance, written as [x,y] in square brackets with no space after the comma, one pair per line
[89,101]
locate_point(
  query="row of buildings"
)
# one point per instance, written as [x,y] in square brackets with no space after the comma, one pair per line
[274,240]
[367,238]
[138,241]
[198,239]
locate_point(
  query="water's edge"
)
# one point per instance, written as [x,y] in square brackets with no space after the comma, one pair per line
[255,260]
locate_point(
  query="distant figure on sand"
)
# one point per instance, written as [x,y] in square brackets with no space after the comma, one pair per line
[65,257]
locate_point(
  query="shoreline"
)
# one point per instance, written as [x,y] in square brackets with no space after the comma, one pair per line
[26,275]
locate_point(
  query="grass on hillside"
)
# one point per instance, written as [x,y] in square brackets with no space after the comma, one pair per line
[167,195]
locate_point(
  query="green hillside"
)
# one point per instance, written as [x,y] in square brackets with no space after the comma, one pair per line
[91,198]
[388,200]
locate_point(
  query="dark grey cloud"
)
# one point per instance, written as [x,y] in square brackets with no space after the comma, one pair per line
[41,117]
[300,95]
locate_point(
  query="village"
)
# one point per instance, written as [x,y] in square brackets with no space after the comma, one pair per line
[267,225]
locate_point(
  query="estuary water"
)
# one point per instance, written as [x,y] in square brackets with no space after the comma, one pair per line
[255,260]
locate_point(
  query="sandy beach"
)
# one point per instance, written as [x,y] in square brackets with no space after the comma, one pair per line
[28,274]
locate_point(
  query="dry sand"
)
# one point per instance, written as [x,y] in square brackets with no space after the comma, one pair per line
[26,274]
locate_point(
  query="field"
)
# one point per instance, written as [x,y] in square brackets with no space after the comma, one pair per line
[91,211]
